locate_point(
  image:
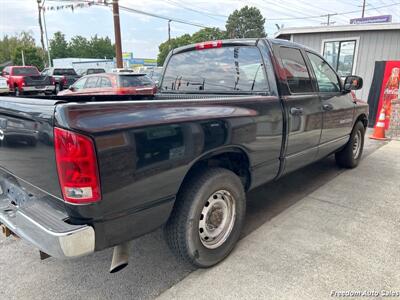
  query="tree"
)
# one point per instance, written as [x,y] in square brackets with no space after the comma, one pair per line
[59,46]
[101,47]
[79,47]
[11,48]
[203,35]
[32,55]
[167,46]
[247,22]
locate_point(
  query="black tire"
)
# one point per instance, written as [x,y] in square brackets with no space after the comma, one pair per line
[57,88]
[17,92]
[182,229]
[348,157]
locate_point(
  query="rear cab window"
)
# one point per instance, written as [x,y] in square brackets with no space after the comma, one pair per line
[297,74]
[70,72]
[25,71]
[216,70]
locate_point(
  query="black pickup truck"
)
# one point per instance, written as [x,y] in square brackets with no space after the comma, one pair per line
[229,116]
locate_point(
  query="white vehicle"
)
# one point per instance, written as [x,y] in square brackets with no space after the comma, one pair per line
[4,86]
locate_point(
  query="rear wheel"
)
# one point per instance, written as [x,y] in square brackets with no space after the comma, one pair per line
[17,91]
[208,217]
[57,88]
[350,155]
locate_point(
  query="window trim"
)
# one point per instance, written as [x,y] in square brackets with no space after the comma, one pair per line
[315,76]
[95,86]
[310,72]
[100,78]
[268,84]
[344,39]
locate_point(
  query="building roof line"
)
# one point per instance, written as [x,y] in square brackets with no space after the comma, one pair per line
[338,28]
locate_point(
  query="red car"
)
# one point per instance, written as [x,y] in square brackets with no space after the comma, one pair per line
[111,84]
[27,80]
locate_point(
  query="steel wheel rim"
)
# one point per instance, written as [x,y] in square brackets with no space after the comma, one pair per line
[217,219]
[357,145]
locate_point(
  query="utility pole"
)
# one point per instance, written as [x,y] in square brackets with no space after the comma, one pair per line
[47,39]
[363,9]
[23,57]
[169,34]
[39,2]
[329,19]
[117,31]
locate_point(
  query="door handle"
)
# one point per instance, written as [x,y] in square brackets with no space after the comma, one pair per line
[296,111]
[327,107]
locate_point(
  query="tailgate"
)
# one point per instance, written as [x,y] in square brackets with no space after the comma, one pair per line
[37,80]
[26,142]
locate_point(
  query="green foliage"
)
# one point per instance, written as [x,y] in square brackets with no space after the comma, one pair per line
[247,22]
[33,56]
[208,34]
[59,46]
[81,47]
[165,47]
[203,35]
[11,48]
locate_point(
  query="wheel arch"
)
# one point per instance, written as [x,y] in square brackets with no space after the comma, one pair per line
[234,158]
[363,118]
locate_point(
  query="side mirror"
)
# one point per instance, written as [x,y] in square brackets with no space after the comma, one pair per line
[352,83]
[71,88]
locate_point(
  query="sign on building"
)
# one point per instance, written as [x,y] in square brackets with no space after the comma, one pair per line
[374,19]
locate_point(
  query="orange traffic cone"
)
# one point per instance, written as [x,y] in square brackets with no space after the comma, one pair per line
[379,129]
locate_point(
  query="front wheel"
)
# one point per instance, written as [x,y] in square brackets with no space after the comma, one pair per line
[350,155]
[207,218]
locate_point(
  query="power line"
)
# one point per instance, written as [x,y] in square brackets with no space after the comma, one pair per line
[202,12]
[137,11]
[339,14]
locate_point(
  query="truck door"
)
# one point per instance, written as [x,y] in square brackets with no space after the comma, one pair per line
[303,111]
[338,107]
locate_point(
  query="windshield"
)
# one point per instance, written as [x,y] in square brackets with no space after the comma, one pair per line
[26,71]
[134,80]
[95,71]
[64,72]
[216,70]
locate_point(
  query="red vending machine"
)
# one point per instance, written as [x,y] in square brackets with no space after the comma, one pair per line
[384,91]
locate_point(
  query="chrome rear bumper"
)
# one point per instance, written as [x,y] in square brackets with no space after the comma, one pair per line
[43,227]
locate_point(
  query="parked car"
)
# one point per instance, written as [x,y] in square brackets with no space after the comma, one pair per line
[91,71]
[108,84]
[227,118]
[63,77]
[155,74]
[4,89]
[27,80]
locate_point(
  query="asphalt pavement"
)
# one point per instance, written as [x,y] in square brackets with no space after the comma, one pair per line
[152,267]
[340,241]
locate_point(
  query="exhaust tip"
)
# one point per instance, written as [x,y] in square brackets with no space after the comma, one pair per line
[120,257]
[116,269]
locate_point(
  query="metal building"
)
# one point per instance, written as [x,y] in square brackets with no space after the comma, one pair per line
[350,49]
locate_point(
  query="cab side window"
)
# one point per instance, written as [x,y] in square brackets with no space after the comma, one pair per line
[297,74]
[91,82]
[327,79]
[104,82]
[80,84]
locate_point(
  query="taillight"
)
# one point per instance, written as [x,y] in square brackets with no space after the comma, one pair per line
[77,167]
[64,80]
[209,45]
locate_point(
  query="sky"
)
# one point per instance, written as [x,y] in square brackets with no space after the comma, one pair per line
[142,34]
